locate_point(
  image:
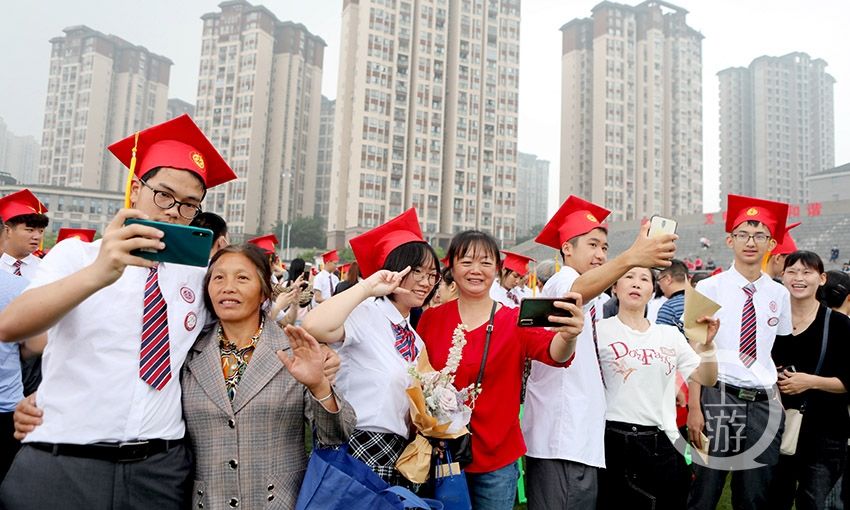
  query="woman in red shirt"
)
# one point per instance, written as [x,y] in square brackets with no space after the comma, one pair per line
[497,441]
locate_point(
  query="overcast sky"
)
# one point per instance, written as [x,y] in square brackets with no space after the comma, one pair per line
[736,32]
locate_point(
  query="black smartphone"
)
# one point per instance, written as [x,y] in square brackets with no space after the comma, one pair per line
[535,312]
[185,245]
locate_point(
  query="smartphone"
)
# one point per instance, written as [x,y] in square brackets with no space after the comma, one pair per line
[535,312]
[659,226]
[790,368]
[185,245]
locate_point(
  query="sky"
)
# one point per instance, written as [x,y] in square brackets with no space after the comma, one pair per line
[736,32]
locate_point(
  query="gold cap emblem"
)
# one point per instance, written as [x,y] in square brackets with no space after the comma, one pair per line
[198,159]
[752,211]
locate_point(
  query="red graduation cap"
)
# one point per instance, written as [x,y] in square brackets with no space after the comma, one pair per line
[83,234]
[787,245]
[575,217]
[445,261]
[177,143]
[266,242]
[773,214]
[20,203]
[330,256]
[372,248]
[516,262]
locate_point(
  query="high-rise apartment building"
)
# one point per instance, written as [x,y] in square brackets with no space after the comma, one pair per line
[259,101]
[532,193]
[177,107]
[426,117]
[324,161]
[18,155]
[631,110]
[100,88]
[776,127]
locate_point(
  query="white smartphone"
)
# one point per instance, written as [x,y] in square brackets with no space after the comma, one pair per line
[659,226]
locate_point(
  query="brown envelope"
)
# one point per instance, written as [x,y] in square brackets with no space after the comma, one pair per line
[696,306]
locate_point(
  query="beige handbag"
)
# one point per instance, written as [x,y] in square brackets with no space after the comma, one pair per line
[793,422]
[794,417]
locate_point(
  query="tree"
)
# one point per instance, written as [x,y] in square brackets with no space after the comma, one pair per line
[307,233]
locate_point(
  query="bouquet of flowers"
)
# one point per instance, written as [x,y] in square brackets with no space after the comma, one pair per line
[437,408]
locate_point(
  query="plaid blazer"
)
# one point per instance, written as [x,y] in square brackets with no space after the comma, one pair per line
[252,449]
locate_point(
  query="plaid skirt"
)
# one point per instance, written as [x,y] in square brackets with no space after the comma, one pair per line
[380,451]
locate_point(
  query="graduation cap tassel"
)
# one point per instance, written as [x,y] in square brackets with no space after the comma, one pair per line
[129,183]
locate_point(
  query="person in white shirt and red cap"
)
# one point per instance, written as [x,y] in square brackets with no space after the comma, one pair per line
[372,320]
[564,420]
[120,326]
[24,220]
[324,284]
[775,262]
[506,289]
[741,415]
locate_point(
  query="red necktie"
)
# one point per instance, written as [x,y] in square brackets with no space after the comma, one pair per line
[17,265]
[747,351]
[513,298]
[596,342]
[155,355]
[405,342]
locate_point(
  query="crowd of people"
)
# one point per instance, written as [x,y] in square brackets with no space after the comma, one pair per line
[130,383]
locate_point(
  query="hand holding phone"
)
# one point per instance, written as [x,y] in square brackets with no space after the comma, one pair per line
[183,244]
[535,312]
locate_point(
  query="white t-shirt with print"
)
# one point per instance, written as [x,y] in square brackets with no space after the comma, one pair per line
[640,368]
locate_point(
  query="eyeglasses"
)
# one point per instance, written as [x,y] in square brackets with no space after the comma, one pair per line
[743,237]
[419,275]
[165,200]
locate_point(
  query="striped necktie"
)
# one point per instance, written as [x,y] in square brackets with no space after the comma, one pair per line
[155,354]
[17,266]
[405,341]
[747,350]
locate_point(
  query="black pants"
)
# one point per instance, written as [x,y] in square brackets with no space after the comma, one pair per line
[642,470]
[807,477]
[9,446]
[40,480]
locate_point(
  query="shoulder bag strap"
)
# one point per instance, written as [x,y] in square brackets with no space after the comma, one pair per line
[486,345]
[823,343]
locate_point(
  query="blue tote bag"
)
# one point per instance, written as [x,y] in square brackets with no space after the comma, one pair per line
[451,490]
[337,481]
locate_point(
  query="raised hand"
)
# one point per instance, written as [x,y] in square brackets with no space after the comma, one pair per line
[656,251]
[570,327]
[332,363]
[119,240]
[306,363]
[711,332]
[385,282]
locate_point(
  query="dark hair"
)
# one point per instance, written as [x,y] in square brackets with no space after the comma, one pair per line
[447,275]
[211,221]
[698,277]
[150,174]
[353,273]
[470,242]
[30,220]
[809,259]
[836,289]
[257,257]
[296,268]
[413,254]
[678,270]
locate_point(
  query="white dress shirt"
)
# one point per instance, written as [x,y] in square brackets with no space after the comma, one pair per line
[565,408]
[373,376]
[773,317]
[500,294]
[29,265]
[326,283]
[91,390]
